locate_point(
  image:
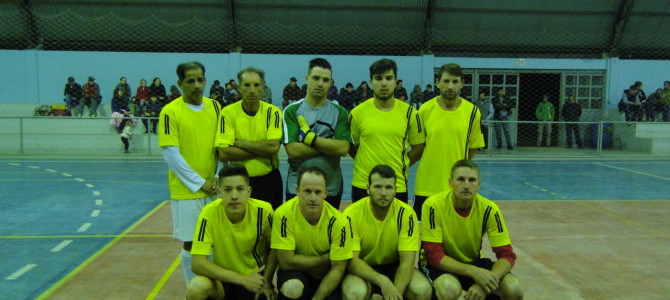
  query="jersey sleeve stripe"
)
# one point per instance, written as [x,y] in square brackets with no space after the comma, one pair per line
[259,233]
[418,123]
[330,230]
[167,124]
[498,222]
[283,226]
[276,119]
[201,231]
[487,213]
[404,142]
[351,228]
[268,116]
[410,232]
[343,237]
[467,137]
[223,125]
[399,220]
[432,218]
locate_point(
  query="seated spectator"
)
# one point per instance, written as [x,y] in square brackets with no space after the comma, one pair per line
[400,92]
[230,94]
[142,93]
[72,93]
[428,93]
[416,97]
[266,96]
[174,93]
[332,92]
[123,85]
[632,104]
[216,92]
[151,110]
[363,92]
[135,106]
[665,101]
[652,105]
[158,89]
[348,97]
[120,103]
[91,98]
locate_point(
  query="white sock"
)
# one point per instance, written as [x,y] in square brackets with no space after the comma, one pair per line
[186,265]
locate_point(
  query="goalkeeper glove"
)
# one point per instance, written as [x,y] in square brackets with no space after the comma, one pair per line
[305,135]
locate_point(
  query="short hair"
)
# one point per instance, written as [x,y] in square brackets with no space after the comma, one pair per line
[319,62]
[383,170]
[637,83]
[258,71]
[429,86]
[464,163]
[185,67]
[451,69]
[122,78]
[664,82]
[233,169]
[349,84]
[70,79]
[382,66]
[399,81]
[217,82]
[310,169]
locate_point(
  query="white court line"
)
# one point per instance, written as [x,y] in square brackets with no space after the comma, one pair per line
[62,245]
[96,193]
[51,170]
[33,167]
[14,164]
[90,185]
[633,171]
[570,291]
[21,271]
[84,227]
[79,179]
[98,202]
[66,174]
[95,213]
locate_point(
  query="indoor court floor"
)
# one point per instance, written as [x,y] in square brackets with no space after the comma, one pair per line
[101,229]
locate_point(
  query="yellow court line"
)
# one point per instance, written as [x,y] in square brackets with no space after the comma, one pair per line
[164,279]
[81,236]
[98,253]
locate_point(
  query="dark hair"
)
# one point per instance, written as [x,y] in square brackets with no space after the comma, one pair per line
[70,79]
[233,169]
[382,66]
[349,84]
[637,83]
[217,82]
[152,82]
[364,82]
[122,78]
[260,73]
[319,62]
[464,163]
[383,170]
[429,86]
[310,169]
[451,69]
[183,68]
[399,81]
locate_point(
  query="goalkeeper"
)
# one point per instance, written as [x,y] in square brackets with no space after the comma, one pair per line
[316,133]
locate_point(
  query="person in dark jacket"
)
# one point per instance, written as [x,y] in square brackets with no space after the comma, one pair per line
[572,111]
[158,89]
[348,97]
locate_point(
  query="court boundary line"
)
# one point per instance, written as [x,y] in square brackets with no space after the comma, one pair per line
[81,236]
[632,171]
[81,266]
[164,279]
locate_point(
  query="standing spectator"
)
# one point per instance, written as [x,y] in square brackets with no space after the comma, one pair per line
[502,110]
[142,92]
[400,92]
[216,92]
[249,134]
[572,111]
[364,92]
[416,98]
[127,133]
[332,92]
[428,93]
[291,93]
[456,222]
[544,112]
[91,98]
[383,130]
[632,104]
[312,240]
[316,133]
[174,93]
[151,111]
[267,94]
[653,104]
[348,97]
[72,93]
[485,107]
[158,89]
[123,85]
[187,128]
[451,129]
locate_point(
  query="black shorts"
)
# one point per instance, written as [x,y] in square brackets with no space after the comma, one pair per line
[310,283]
[358,194]
[466,282]
[388,270]
[268,188]
[236,292]
[335,201]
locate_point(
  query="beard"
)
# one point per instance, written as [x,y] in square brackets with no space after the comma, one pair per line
[382,97]
[446,96]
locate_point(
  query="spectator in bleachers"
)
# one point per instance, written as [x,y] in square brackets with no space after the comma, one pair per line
[653,105]
[428,93]
[332,92]
[174,93]
[502,110]
[486,109]
[348,97]
[266,96]
[400,92]
[364,92]
[72,93]
[91,98]
[231,95]
[291,93]
[120,103]
[123,85]
[665,101]
[416,98]
[544,112]
[151,111]
[572,111]
[216,92]
[632,105]
[158,89]
[142,92]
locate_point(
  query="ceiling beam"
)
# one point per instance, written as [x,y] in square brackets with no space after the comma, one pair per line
[619,25]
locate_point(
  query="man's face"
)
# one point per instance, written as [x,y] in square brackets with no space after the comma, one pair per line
[450,86]
[571,99]
[383,85]
[666,85]
[123,80]
[192,85]
[251,87]
[464,183]
[312,192]
[632,91]
[234,191]
[292,83]
[399,85]
[430,88]
[350,89]
[482,96]
[501,93]
[381,190]
[318,82]
[143,82]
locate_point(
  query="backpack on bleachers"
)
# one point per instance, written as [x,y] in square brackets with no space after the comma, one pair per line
[43,110]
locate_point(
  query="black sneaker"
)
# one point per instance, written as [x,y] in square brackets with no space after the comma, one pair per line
[510,148]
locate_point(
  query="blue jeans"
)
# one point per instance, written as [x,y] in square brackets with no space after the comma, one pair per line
[505,128]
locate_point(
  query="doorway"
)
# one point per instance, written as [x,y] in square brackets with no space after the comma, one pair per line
[532,87]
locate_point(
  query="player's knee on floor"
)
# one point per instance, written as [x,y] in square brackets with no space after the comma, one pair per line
[355,288]
[510,288]
[447,287]
[419,287]
[199,288]
[292,289]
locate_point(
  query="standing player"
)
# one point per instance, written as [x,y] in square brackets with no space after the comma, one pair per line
[236,230]
[249,133]
[312,241]
[383,130]
[317,133]
[456,221]
[187,127]
[385,244]
[452,132]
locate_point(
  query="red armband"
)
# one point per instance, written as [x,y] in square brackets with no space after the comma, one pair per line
[505,252]
[434,253]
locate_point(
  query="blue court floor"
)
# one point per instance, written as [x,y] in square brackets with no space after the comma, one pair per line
[56,213]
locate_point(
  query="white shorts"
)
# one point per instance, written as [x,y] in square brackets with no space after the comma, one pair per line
[185,216]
